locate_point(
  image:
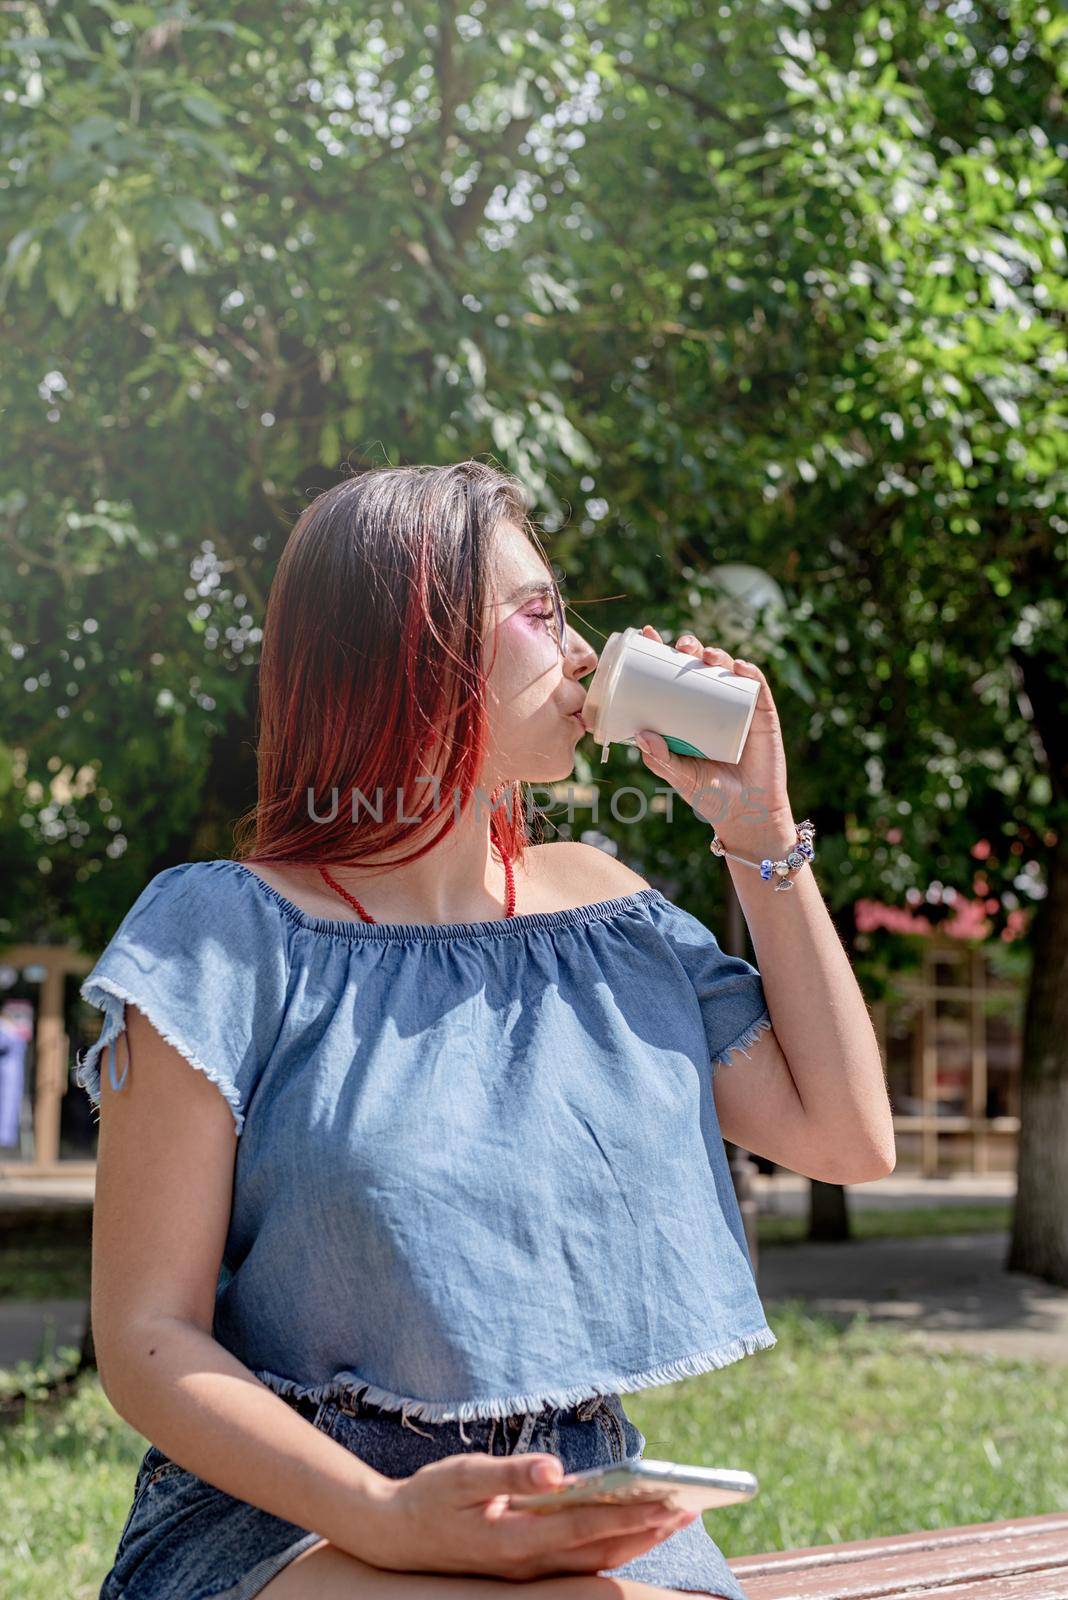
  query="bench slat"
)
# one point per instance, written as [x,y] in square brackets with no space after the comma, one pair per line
[974,1562]
[1049,1585]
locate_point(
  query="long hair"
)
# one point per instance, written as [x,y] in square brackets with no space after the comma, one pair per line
[372,673]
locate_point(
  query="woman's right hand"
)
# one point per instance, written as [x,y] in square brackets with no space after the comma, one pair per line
[452,1516]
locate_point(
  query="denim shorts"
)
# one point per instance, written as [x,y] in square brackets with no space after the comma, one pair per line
[186,1540]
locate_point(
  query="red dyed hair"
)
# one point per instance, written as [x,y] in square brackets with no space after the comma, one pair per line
[372,673]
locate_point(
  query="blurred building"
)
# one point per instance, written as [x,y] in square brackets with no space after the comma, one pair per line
[47,1125]
[950,1027]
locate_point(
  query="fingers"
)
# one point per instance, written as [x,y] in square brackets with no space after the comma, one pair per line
[504,1540]
[606,1557]
[574,1529]
[711,654]
[481,1475]
[607,1550]
[609,1553]
[585,1524]
[652,744]
[686,774]
[746,669]
[653,1524]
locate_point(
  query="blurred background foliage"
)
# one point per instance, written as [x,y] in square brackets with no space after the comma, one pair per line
[772,282]
[765,282]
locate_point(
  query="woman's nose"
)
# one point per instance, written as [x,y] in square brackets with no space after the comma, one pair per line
[580,656]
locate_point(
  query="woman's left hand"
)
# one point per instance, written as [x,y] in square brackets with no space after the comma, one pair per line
[747,803]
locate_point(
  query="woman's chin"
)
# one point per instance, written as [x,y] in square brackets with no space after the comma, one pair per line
[546,771]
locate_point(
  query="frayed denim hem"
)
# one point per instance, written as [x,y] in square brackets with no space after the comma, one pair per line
[750,1036]
[482,1410]
[110,998]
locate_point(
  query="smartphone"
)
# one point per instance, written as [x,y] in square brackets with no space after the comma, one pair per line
[637,1478]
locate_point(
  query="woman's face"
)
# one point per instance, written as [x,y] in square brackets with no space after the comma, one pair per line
[534,687]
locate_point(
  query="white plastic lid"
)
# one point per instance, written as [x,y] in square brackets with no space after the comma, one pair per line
[603,687]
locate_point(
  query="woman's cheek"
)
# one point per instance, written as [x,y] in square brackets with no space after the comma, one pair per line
[528,637]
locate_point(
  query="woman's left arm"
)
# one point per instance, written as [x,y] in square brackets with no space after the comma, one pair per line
[812,1094]
[839,1125]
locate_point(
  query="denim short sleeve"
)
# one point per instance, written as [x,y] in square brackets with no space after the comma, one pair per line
[203,956]
[729,989]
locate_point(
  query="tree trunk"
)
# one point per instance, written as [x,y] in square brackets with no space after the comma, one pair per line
[741,1170]
[87,1355]
[828,1210]
[229,787]
[1040,1217]
[828,1213]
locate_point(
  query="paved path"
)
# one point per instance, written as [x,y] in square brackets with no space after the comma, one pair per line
[951,1291]
[784,1194]
[30,1329]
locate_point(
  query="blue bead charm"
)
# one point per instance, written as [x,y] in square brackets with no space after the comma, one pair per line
[796,857]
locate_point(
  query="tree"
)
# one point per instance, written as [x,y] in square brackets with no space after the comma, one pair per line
[779,282]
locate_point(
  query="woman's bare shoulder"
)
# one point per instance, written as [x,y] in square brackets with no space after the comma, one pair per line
[581,874]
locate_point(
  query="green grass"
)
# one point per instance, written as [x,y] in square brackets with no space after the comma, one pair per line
[45,1253]
[915,1223]
[852,1433]
[49,1270]
[66,1480]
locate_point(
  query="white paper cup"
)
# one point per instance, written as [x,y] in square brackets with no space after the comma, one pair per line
[698,710]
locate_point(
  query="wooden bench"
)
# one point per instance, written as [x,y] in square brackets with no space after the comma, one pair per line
[1022,1559]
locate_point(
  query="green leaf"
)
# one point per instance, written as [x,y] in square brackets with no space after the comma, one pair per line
[204,109]
[92,130]
[196,215]
[330,445]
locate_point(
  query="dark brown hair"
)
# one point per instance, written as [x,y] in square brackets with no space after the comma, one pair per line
[372,673]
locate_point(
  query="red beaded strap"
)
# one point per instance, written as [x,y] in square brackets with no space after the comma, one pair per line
[509,877]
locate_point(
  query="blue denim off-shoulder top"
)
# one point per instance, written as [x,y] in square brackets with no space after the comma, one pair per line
[479,1168]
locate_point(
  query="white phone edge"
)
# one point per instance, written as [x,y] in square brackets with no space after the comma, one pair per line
[689,1488]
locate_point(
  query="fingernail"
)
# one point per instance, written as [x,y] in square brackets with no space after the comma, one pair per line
[643,744]
[546,1472]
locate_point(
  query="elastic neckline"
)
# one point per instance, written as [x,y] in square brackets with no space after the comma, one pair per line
[436,932]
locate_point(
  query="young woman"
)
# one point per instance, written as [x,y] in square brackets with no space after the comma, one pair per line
[411,1139]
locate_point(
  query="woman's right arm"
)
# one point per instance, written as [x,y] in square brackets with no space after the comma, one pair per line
[164,1181]
[165,1171]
